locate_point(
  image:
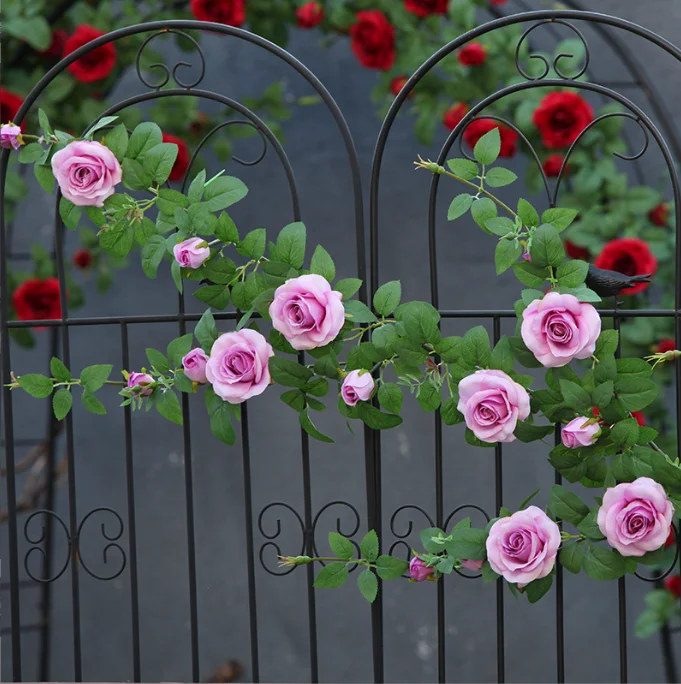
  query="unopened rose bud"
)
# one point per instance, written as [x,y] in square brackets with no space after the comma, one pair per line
[419,571]
[292,561]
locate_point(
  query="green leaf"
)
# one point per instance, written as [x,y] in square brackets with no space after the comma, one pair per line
[33,29]
[92,404]
[603,564]
[179,347]
[322,264]
[487,148]
[220,270]
[294,398]
[221,420]
[169,407]
[102,123]
[291,244]
[206,333]
[625,433]
[468,543]
[169,200]
[31,153]
[522,354]
[427,539]
[253,244]
[630,368]
[568,463]
[538,588]
[389,567]
[309,427]
[527,214]
[331,576]
[560,219]
[117,240]
[450,414]
[547,248]
[529,274]
[449,348]
[500,226]
[464,168]
[420,321]
[429,396]
[143,138]
[357,312]
[341,546]
[607,343]
[96,215]
[498,176]
[289,373]
[575,396]
[158,361]
[60,372]
[482,210]
[135,176]
[605,369]
[589,526]
[216,296]
[390,397]
[61,403]
[348,287]
[226,229]
[117,141]
[459,206]
[93,377]
[567,506]
[152,255]
[572,273]
[602,394]
[475,349]
[506,254]
[45,177]
[369,546]
[528,432]
[368,585]
[387,297]
[636,393]
[375,419]
[70,213]
[195,192]
[571,556]
[223,192]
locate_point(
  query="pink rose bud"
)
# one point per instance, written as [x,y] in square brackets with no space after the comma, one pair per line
[238,365]
[357,386]
[635,517]
[139,382]
[87,172]
[523,547]
[475,565]
[559,328]
[418,570]
[307,312]
[191,253]
[194,364]
[10,136]
[527,257]
[578,434]
[492,404]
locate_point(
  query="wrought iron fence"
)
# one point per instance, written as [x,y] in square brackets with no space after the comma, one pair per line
[263,529]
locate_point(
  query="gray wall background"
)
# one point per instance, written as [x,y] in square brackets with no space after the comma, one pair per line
[466,279]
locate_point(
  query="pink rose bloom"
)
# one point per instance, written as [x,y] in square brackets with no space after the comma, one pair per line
[492,404]
[357,386]
[10,136]
[475,565]
[194,364]
[307,312]
[418,570]
[560,328]
[191,253]
[578,434]
[140,381]
[635,517]
[238,365]
[523,547]
[86,172]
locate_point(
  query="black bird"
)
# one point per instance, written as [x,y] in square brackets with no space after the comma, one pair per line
[609,283]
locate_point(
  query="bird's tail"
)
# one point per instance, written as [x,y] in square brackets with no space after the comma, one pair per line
[642,278]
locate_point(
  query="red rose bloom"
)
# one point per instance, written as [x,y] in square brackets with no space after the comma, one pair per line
[673,584]
[373,40]
[423,8]
[310,15]
[473,54]
[37,300]
[82,258]
[553,164]
[182,159]
[454,114]
[640,418]
[9,106]
[561,117]
[397,84]
[665,346]
[630,256]
[575,252]
[476,129]
[659,215]
[230,12]
[94,65]
[56,47]
[671,538]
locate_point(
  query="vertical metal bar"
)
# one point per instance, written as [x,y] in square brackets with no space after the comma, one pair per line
[560,618]
[132,529]
[670,672]
[499,493]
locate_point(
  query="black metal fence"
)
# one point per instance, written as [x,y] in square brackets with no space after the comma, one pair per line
[119,530]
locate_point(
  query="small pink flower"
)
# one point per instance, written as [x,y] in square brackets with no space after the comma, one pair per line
[475,565]
[357,386]
[87,172]
[578,434]
[10,136]
[138,382]
[194,364]
[192,252]
[418,570]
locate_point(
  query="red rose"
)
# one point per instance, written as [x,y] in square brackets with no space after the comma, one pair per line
[671,538]
[230,12]
[310,15]
[82,258]
[673,584]
[37,300]
[454,114]
[640,418]
[630,256]
[182,159]
[476,129]
[553,164]
[498,2]
[659,215]
[56,47]
[373,40]
[423,8]
[473,54]
[397,84]
[665,346]
[9,106]
[94,65]
[561,117]
[575,252]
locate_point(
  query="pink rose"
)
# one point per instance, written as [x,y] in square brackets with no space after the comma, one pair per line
[194,364]
[523,547]
[10,136]
[191,253]
[138,382]
[238,365]
[357,386]
[418,570]
[560,328]
[475,565]
[492,404]
[635,517]
[307,312]
[578,434]
[86,172]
